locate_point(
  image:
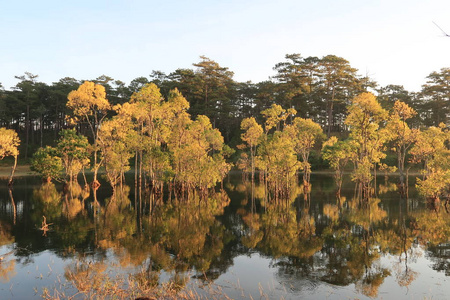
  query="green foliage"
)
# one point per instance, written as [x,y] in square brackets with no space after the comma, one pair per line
[367,138]
[89,104]
[46,162]
[304,134]
[338,154]
[74,152]
[275,115]
[159,123]
[279,160]
[433,151]
[116,138]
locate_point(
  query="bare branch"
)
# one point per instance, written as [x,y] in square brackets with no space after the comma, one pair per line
[441,29]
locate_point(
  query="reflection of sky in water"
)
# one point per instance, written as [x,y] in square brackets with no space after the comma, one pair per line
[32,273]
[260,277]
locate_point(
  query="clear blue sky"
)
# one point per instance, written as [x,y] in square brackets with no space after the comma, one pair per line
[394,42]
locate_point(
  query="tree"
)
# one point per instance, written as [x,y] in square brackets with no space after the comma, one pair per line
[339,83]
[46,162]
[211,91]
[251,136]
[278,159]
[9,143]
[198,155]
[338,154]
[116,136]
[137,83]
[431,148]
[367,138]
[297,79]
[145,111]
[89,104]
[56,105]
[436,93]
[73,150]
[402,136]
[388,95]
[275,116]
[28,97]
[304,133]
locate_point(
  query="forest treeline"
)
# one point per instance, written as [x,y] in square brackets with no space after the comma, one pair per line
[317,88]
[168,121]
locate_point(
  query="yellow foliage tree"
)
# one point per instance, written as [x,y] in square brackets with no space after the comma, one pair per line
[403,137]
[89,104]
[431,148]
[9,143]
[251,136]
[367,137]
[305,133]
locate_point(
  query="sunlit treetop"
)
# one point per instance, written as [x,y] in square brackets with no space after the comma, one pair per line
[364,110]
[148,94]
[9,141]
[252,131]
[275,115]
[88,99]
[403,110]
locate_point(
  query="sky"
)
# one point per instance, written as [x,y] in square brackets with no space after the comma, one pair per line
[393,42]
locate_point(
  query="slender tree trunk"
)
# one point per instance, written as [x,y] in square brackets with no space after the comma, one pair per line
[13,204]
[95,183]
[13,170]
[42,129]
[27,130]
[330,113]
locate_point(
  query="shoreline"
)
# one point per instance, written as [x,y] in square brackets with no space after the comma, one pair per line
[21,170]
[25,170]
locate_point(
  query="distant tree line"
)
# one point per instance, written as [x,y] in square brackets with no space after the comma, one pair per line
[179,127]
[317,88]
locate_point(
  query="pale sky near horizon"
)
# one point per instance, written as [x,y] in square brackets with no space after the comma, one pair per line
[394,42]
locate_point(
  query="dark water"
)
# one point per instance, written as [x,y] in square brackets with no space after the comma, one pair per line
[248,247]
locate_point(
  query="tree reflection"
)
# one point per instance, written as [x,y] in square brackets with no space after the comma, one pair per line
[339,241]
[47,202]
[345,251]
[7,262]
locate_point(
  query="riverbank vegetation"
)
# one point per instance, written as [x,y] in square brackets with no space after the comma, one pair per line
[185,130]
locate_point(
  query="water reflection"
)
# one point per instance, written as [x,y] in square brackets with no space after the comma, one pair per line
[311,237]
[342,243]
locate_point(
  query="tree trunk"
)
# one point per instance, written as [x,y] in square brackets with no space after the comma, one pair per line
[13,170]
[27,130]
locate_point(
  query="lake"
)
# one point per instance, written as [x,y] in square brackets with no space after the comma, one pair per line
[237,243]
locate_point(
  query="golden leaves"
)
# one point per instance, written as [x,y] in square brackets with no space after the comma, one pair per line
[9,141]
[88,99]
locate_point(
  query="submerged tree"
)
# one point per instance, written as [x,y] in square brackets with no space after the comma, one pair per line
[116,136]
[89,104]
[199,156]
[279,160]
[367,137]
[251,136]
[275,116]
[403,137]
[338,154]
[432,150]
[305,133]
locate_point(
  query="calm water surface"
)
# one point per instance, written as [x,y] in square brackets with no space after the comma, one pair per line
[248,247]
